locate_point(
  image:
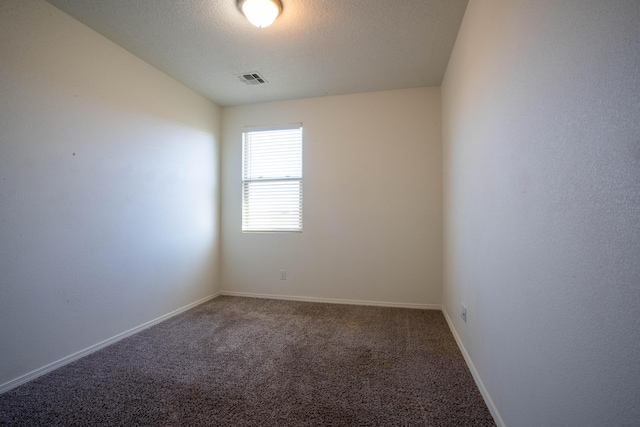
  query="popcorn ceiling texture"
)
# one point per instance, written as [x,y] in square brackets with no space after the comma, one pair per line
[315,48]
[249,362]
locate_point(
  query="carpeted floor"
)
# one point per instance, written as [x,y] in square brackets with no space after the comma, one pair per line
[255,362]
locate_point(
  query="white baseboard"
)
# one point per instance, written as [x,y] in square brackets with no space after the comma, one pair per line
[334,301]
[77,355]
[483,390]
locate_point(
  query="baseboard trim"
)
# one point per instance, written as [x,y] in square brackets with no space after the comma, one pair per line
[334,300]
[77,355]
[483,390]
[91,349]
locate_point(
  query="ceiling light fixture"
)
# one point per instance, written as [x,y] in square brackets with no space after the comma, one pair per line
[260,13]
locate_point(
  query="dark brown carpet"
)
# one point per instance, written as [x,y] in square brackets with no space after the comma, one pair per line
[254,362]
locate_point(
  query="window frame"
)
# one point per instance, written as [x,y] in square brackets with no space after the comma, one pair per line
[247,182]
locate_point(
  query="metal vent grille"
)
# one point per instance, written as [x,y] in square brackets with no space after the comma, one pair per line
[251,78]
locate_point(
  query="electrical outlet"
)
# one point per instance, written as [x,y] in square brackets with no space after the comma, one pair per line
[463,313]
[283,274]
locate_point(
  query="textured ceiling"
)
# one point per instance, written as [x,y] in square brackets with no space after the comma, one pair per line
[315,48]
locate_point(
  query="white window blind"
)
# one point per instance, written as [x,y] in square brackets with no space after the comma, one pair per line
[272,179]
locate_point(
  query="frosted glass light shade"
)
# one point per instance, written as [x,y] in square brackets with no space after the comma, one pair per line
[260,13]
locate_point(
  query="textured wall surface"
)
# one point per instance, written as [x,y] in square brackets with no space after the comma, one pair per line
[108,189]
[372,201]
[541,142]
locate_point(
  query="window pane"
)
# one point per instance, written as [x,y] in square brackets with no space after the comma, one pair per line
[273,154]
[272,180]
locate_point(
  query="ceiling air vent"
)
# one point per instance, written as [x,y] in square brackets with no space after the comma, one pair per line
[251,79]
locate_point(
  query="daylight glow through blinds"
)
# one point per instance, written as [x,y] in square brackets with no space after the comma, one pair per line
[272,179]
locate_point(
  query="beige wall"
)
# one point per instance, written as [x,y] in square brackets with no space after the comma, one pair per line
[108,190]
[372,201]
[541,142]
[109,208]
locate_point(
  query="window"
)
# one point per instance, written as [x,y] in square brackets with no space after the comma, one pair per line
[272,179]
